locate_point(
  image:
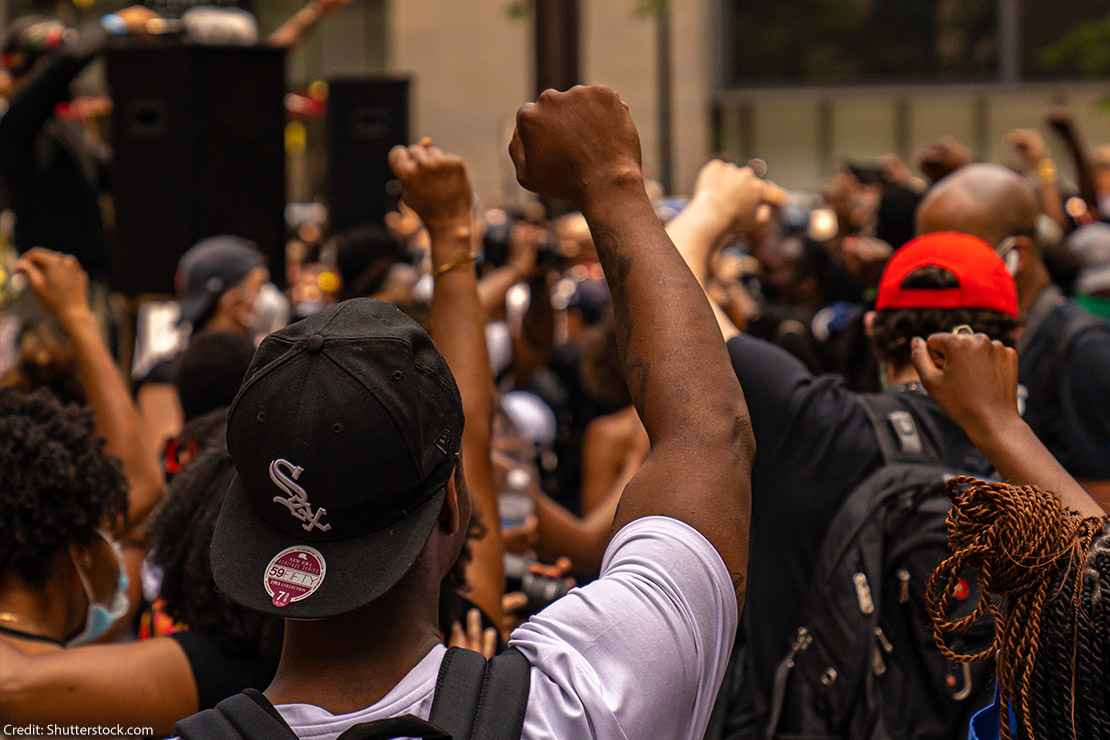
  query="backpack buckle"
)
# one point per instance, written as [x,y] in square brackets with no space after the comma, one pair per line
[906,432]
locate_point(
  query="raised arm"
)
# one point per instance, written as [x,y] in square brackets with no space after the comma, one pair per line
[293,31]
[581,146]
[61,286]
[726,198]
[436,187]
[975,381]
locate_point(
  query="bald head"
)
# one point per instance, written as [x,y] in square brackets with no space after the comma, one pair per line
[984,200]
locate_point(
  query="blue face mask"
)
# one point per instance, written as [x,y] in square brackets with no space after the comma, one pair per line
[100,618]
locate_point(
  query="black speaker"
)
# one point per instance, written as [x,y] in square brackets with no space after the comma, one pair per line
[366,118]
[198,134]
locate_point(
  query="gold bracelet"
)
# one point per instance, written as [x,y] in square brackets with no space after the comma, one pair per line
[1046,171]
[466,259]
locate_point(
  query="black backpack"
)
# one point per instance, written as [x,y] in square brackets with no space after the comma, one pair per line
[863,664]
[473,700]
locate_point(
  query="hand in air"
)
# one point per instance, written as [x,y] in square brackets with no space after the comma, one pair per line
[973,378]
[569,145]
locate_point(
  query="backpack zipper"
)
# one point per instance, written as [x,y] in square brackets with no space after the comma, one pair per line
[903,585]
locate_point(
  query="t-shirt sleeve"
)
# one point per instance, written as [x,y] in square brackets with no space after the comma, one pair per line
[221,671]
[1088,370]
[799,420]
[642,651]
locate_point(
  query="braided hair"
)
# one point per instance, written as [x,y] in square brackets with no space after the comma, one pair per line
[1040,568]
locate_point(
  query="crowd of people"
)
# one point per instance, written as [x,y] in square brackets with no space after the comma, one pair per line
[746,465]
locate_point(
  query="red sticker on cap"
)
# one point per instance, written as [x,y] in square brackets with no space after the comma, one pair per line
[294,574]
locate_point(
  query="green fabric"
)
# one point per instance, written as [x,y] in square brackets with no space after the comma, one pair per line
[1096,305]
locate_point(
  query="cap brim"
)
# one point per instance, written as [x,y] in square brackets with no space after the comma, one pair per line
[193,307]
[358,570]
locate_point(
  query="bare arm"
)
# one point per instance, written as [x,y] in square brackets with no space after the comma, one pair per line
[1064,125]
[726,198]
[975,381]
[61,285]
[582,146]
[293,31]
[436,187]
[87,685]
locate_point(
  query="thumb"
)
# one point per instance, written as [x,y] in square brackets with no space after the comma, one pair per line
[35,276]
[927,370]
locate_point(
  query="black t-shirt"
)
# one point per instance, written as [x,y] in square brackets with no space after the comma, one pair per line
[815,445]
[1069,390]
[222,668]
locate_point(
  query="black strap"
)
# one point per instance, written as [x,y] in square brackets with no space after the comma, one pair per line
[900,441]
[244,716]
[504,700]
[386,729]
[476,700]
[458,690]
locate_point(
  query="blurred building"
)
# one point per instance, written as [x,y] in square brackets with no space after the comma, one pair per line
[804,84]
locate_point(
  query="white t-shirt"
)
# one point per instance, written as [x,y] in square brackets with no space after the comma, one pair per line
[639,653]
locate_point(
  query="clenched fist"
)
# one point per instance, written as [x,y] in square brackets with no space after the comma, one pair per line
[570,144]
[975,380]
[59,283]
[435,184]
[736,193]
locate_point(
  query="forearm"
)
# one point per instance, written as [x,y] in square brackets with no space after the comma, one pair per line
[676,366]
[458,329]
[695,232]
[1084,172]
[494,286]
[116,418]
[1022,458]
[682,383]
[290,33]
[582,540]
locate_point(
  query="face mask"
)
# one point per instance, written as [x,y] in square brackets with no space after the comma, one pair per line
[100,618]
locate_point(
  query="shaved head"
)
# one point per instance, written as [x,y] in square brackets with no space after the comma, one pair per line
[984,200]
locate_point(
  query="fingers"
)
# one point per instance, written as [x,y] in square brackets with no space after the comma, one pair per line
[401,162]
[927,370]
[516,153]
[474,627]
[35,276]
[489,642]
[773,195]
[458,639]
[513,602]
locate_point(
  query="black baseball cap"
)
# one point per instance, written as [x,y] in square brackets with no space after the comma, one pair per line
[211,268]
[344,435]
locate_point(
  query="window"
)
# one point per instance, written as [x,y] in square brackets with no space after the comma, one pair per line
[860,41]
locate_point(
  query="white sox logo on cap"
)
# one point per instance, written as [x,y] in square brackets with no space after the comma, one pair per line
[284,474]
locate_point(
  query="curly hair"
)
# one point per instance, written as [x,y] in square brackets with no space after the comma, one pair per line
[180,538]
[894,329]
[59,483]
[1040,569]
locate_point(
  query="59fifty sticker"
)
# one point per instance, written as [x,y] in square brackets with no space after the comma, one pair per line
[294,574]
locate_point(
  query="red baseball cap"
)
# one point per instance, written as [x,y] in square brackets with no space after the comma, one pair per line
[984,282]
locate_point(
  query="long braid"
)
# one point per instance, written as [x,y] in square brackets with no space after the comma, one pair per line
[1022,541]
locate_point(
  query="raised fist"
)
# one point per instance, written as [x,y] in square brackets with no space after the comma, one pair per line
[571,144]
[736,193]
[1028,144]
[435,184]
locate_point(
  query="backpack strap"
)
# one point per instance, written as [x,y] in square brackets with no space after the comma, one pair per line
[244,716]
[504,700]
[900,440]
[458,691]
[476,699]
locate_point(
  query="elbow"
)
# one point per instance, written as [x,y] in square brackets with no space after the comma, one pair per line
[729,436]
